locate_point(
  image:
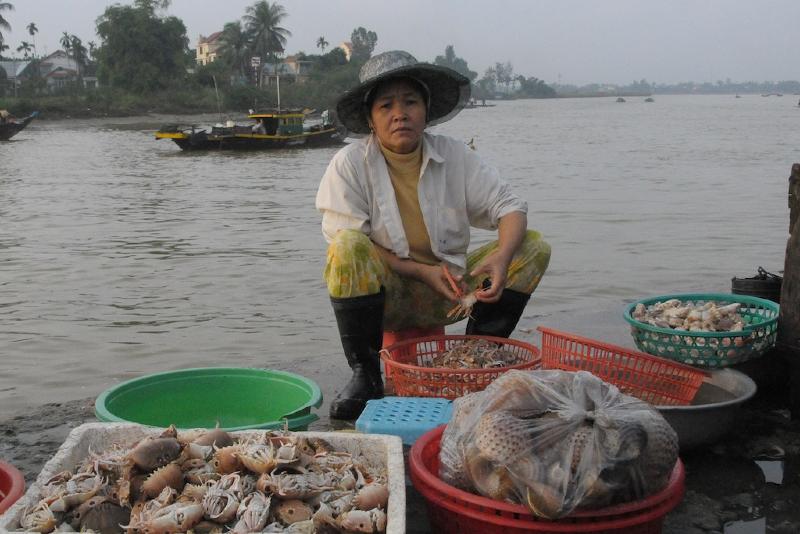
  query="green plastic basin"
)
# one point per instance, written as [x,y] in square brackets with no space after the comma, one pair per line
[233,398]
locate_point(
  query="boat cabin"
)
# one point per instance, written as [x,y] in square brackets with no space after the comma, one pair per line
[278,123]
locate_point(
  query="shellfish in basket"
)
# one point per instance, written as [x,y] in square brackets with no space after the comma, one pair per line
[268,481]
[556,441]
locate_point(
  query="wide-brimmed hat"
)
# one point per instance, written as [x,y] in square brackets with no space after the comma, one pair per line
[448,90]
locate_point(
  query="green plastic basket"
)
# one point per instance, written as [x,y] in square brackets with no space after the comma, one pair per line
[232,398]
[709,349]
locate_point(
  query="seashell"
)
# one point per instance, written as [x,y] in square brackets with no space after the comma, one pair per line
[168,476]
[106,516]
[258,459]
[301,527]
[226,460]
[320,446]
[216,437]
[363,521]
[323,517]
[342,504]
[371,496]
[39,519]
[151,453]
[170,432]
[501,437]
[207,527]
[543,500]
[253,514]
[490,480]
[176,517]
[266,483]
[292,511]
[220,505]
[194,451]
[193,492]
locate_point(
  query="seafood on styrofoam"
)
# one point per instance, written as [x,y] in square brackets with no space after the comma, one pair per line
[271,481]
[475,354]
[707,317]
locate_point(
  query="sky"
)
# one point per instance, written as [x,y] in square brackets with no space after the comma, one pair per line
[559,41]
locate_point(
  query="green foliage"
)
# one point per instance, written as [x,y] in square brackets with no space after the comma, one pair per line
[204,75]
[364,42]
[535,88]
[262,21]
[451,60]
[234,51]
[140,51]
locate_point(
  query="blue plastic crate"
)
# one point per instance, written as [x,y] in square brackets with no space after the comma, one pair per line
[407,417]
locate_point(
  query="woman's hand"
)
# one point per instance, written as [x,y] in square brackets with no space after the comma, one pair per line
[495,265]
[434,277]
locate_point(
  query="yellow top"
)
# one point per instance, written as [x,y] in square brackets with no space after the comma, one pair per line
[404,173]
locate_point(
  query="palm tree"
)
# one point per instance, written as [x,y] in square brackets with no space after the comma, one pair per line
[66,42]
[322,44]
[78,53]
[267,37]
[235,47]
[32,31]
[25,47]
[5,6]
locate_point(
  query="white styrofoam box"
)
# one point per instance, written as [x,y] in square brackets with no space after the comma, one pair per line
[377,450]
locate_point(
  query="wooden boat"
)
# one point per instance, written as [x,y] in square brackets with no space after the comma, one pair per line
[270,129]
[11,127]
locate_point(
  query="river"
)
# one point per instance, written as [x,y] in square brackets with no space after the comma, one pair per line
[121,255]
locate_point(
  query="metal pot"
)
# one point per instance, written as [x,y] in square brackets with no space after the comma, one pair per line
[713,412]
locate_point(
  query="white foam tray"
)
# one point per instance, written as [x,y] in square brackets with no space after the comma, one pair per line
[378,450]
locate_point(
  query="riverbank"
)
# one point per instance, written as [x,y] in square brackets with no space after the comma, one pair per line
[726,490]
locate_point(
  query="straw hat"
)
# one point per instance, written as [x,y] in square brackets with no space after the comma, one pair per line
[448,91]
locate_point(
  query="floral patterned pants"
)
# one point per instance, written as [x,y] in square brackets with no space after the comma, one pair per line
[355,268]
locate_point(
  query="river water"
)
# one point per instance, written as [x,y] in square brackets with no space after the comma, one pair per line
[121,255]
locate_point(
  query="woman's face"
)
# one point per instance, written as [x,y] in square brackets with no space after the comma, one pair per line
[397,116]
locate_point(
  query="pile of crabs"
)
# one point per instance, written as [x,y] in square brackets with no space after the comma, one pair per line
[209,481]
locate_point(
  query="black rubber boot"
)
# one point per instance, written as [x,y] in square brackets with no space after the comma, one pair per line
[499,318]
[360,321]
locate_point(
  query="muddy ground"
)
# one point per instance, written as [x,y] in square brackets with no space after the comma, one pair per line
[727,491]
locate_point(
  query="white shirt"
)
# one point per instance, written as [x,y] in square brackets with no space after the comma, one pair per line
[457,190]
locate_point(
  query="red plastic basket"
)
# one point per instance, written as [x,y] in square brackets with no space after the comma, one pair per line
[12,485]
[407,364]
[453,511]
[659,381]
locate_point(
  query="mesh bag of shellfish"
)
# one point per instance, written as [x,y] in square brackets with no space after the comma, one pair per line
[556,441]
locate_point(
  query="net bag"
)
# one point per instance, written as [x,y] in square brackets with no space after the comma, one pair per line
[556,441]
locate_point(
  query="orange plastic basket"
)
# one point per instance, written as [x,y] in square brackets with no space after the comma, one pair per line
[454,511]
[659,381]
[408,366]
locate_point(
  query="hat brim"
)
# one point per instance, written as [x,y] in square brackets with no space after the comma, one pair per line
[449,93]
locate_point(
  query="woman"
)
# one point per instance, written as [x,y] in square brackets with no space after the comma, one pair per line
[397,207]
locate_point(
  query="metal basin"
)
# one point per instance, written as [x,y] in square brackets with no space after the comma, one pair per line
[713,412]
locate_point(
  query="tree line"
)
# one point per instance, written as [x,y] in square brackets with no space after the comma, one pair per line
[143,60]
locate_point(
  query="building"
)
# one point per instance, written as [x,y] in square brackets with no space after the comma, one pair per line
[291,69]
[59,70]
[207,48]
[15,73]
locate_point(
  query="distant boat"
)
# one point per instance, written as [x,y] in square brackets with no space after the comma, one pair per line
[271,129]
[649,99]
[11,127]
[737,96]
[620,99]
